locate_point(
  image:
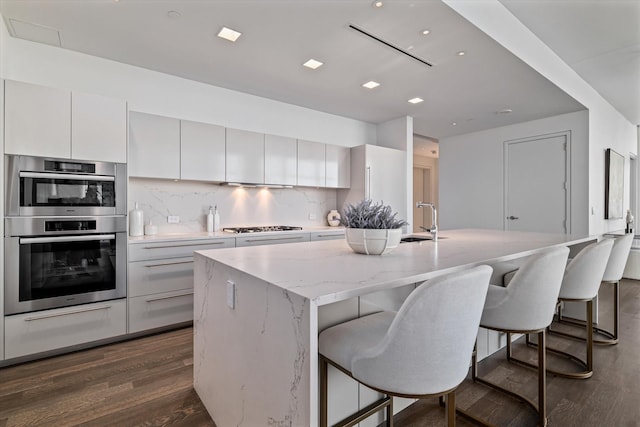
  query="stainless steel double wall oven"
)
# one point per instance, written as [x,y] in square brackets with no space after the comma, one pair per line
[65,232]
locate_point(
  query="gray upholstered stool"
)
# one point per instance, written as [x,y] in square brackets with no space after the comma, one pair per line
[581,282]
[423,350]
[526,305]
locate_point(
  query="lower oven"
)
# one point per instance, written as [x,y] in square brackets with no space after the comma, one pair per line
[63,261]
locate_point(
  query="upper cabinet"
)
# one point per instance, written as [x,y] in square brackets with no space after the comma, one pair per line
[202,151]
[338,166]
[280,160]
[311,163]
[98,128]
[37,120]
[245,156]
[50,122]
[154,146]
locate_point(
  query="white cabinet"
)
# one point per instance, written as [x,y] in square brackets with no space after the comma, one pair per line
[377,173]
[311,163]
[160,281]
[202,151]
[280,160]
[63,327]
[245,156]
[50,122]
[154,146]
[327,235]
[257,240]
[1,229]
[37,120]
[338,166]
[98,128]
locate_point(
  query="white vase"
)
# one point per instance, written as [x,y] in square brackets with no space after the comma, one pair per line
[371,241]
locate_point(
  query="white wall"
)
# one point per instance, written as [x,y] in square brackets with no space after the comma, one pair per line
[471,167]
[607,127]
[163,94]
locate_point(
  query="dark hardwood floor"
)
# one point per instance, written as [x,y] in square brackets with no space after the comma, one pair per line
[148,382]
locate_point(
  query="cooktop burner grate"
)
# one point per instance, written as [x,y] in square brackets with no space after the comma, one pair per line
[259,229]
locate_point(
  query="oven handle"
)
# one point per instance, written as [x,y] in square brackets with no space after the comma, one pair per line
[46,175]
[29,240]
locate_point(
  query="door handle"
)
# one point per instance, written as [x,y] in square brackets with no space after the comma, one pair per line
[512,217]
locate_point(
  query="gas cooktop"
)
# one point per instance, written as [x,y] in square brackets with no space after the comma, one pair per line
[260,229]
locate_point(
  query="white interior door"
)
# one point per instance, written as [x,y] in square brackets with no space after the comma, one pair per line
[537,184]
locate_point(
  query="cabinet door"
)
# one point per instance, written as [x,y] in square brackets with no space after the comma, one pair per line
[385,176]
[98,128]
[280,160]
[338,166]
[63,327]
[157,276]
[327,235]
[245,156]
[37,120]
[202,151]
[256,240]
[155,311]
[311,163]
[154,146]
[144,251]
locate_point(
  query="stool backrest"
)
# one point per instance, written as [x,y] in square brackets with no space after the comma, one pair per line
[618,258]
[428,346]
[530,297]
[584,273]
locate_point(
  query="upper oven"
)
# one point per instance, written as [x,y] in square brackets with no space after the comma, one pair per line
[37,186]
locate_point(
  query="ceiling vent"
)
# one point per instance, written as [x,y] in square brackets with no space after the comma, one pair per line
[389,44]
[33,32]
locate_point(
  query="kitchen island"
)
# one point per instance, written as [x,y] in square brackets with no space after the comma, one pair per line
[258,311]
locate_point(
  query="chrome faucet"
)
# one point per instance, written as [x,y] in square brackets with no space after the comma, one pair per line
[434,219]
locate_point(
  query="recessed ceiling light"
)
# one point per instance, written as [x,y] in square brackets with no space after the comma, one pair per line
[371,84]
[425,32]
[454,124]
[229,34]
[377,4]
[416,100]
[461,53]
[505,111]
[313,64]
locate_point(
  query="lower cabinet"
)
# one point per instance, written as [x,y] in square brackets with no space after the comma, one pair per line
[160,281]
[154,311]
[63,327]
[327,235]
[256,240]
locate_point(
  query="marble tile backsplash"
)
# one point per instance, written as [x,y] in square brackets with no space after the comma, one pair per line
[237,206]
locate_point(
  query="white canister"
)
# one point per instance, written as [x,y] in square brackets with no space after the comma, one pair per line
[136,222]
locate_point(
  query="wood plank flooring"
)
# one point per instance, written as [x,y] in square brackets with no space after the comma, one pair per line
[148,382]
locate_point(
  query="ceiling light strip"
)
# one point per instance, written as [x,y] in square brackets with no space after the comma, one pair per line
[386,43]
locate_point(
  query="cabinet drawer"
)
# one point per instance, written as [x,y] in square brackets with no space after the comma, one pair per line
[271,240]
[154,311]
[327,235]
[156,276]
[63,327]
[185,248]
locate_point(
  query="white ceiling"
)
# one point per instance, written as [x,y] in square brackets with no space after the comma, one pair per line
[599,39]
[178,37]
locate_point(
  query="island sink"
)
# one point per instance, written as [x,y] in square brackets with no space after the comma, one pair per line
[410,239]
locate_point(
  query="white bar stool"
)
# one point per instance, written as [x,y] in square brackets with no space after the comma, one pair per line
[526,305]
[613,275]
[421,351]
[581,282]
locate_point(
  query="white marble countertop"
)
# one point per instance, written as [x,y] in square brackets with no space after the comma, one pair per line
[329,271]
[173,237]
